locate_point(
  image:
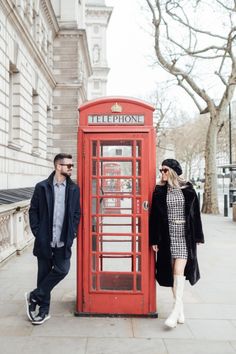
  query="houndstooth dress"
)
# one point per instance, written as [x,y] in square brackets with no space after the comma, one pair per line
[176,220]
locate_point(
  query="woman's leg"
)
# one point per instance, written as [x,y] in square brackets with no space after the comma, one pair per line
[178,270]
[177,314]
[179,266]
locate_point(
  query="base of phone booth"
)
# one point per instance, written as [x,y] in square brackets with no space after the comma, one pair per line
[89,314]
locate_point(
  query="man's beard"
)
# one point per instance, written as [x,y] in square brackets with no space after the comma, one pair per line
[66,174]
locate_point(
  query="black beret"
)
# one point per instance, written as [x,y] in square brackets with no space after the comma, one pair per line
[174,164]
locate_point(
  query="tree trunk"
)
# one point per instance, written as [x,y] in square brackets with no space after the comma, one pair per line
[210,198]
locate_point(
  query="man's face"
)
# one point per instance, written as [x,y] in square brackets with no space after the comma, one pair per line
[64,167]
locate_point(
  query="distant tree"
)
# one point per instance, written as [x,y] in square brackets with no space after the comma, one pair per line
[164,112]
[188,140]
[195,41]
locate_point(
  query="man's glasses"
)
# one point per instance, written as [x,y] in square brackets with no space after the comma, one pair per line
[165,170]
[69,165]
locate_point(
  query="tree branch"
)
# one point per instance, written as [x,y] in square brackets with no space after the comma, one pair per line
[221,78]
[169,67]
[180,83]
[186,24]
[226,7]
[229,90]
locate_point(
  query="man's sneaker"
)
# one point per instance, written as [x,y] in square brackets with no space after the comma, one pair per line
[31,305]
[40,318]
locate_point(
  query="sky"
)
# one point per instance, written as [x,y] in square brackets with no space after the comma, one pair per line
[128,48]
[131,56]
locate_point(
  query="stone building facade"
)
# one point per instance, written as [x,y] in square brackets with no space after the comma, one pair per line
[97,19]
[45,68]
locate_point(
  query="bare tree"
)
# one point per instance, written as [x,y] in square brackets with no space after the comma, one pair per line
[164,111]
[188,140]
[188,47]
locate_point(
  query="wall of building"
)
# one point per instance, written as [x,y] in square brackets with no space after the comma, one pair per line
[27,30]
[45,66]
[97,19]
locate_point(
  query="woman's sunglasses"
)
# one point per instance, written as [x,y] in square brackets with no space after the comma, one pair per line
[165,170]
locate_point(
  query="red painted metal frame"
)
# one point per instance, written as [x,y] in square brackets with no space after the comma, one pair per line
[87,132]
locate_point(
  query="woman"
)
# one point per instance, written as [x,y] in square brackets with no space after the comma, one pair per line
[175,230]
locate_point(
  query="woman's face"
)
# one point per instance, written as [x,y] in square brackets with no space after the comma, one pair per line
[164,173]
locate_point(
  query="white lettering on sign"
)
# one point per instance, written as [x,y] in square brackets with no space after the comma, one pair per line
[118,119]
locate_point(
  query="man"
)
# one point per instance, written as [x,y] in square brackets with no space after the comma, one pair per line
[54,217]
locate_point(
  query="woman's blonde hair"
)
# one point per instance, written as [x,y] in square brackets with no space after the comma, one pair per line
[173,180]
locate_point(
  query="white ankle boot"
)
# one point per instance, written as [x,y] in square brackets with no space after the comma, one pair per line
[177,314]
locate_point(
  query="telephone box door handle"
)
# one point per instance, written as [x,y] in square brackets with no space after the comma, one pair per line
[145,205]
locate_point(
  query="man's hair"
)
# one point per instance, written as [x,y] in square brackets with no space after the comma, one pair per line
[60,157]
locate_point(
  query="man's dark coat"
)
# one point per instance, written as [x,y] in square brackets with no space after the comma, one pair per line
[41,216]
[159,234]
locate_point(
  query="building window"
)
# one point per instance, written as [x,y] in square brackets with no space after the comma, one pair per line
[14,108]
[49,134]
[35,123]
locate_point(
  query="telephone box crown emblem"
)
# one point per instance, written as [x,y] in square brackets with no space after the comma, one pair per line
[116,108]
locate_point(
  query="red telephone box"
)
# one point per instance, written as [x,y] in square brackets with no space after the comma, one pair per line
[116,173]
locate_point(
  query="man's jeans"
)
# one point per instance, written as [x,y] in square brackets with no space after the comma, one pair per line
[50,273]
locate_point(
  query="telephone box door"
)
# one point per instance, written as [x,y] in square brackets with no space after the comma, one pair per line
[115,249]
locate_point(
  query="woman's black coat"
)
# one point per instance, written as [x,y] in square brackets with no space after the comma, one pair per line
[41,216]
[159,234]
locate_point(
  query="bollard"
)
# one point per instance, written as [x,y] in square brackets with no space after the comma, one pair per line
[225,205]
[234,211]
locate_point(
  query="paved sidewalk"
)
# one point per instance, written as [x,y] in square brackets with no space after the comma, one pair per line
[210,308]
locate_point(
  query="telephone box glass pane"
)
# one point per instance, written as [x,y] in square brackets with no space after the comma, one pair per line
[94,224]
[115,224]
[139,282]
[138,168]
[138,263]
[116,243]
[116,148]
[138,186]
[138,224]
[138,148]
[94,262]
[115,206]
[115,263]
[116,185]
[138,244]
[94,278]
[94,205]
[94,149]
[116,282]
[116,168]
[94,243]
[94,167]
[94,186]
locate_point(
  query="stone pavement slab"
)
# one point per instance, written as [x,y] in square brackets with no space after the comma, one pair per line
[44,345]
[193,346]
[126,345]
[85,327]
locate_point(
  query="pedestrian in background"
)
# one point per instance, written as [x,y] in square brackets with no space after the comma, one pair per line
[54,217]
[175,231]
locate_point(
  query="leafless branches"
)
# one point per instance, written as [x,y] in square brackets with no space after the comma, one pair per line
[180,44]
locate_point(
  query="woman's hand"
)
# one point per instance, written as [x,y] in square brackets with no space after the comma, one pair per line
[155,248]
